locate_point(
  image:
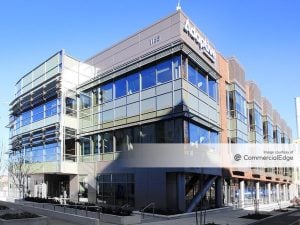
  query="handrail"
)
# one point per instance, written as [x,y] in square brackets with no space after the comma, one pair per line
[150,204]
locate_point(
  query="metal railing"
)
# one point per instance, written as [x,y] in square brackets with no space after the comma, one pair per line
[146,207]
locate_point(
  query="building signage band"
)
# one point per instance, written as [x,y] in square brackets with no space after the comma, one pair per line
[202,42]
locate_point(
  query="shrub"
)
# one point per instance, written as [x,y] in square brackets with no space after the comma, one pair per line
[23,215]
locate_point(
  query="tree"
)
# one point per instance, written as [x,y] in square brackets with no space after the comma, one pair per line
[18,171]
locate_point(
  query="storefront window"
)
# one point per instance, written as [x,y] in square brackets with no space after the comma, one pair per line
[108,142]
[148,133]
[83,186]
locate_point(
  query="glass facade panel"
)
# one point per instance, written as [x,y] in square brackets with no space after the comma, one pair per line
[120,88]
[107,92]
[26,118]
[148,133]
[201,135]
[212,88]
[240,107]
[176,67]
[164,71]
[197,78]
[148,78]
[85,101]
[85,146]
[133,83]
[38,113]
[51,108]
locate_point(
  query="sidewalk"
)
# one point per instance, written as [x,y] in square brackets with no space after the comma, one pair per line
[227,216]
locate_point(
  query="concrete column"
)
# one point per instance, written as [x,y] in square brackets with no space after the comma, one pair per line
[277,192]
[257,190]
[284,192]
[181,191]
[219,192]
[269,192]
[242,193]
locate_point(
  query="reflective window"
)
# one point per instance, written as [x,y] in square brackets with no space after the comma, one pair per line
[122,139]
[108,142]
[196,77]
[107,92]
[165,131]
[38,113]
[97,143]
[71,106]
[85,101]
[26,118]
[214,137]
[176,67]
[148,78]
[164,72]
[148,133]
[201,135]
[241,107]
[51,152]
[85,146]
[83,186]
[51,108]
[37,154]
[120,87]
[133,83]
[212,88]
[258,121]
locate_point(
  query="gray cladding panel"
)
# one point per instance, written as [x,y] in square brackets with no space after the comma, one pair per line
[138,44]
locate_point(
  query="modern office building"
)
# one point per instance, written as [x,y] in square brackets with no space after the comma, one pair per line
[164,84]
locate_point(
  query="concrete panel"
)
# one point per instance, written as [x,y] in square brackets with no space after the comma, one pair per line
[164,88]
[120,112]
[107,105]
[148,93]
[133,98]
[148,105]
[120,102]
[164,101]
[133,109]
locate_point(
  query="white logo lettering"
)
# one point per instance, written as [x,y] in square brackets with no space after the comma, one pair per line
[202,42]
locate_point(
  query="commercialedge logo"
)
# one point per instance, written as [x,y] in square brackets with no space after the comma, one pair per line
[202,42]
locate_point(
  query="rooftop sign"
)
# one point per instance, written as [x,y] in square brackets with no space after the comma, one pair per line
[201,41]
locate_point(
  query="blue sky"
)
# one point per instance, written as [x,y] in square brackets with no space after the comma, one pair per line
[263,35]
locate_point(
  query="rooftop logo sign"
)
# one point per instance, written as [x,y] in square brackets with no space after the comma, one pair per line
[202,42]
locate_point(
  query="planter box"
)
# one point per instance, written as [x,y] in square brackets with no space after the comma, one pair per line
[126,220]
[41,220]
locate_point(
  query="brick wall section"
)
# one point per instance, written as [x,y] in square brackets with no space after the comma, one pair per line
[224,72]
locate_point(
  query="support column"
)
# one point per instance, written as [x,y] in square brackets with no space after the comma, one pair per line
[257,190]
[242,194]
[277,193]
[219,192]
[181,191]
[269,192]
[284,192]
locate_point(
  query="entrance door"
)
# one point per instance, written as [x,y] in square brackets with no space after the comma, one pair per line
[57,184]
